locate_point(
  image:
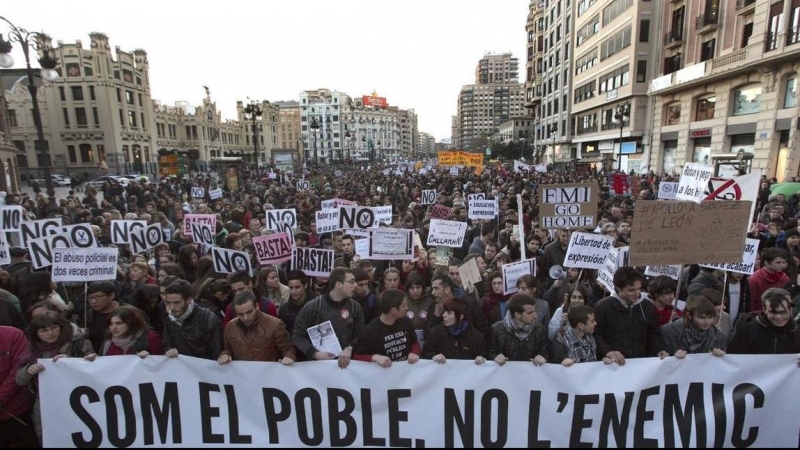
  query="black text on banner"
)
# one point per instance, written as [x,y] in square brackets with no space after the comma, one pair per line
[312,261]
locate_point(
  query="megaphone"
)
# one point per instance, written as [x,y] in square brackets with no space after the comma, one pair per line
[556,272]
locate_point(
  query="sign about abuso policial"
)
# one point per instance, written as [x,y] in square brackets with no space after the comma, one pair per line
[85,264]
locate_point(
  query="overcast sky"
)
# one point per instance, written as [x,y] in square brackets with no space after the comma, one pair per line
[416,53]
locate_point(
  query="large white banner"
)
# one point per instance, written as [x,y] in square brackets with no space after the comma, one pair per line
[701,401]
[587,250]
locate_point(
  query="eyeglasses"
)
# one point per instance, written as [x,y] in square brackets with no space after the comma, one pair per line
[96,296]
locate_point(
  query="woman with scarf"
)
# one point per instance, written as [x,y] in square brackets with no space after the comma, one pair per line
[519,337]
[455,337]
[269,285]
[578,296]
[695,332]
[129,334]
[494,303]
[50,336]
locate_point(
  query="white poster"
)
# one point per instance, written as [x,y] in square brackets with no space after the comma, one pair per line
[390,244]
[483,209]
[520,166]
[303,185]
[478,196]
[327,220]
[588,250]
[189,219]
[5,256]
[10,217]
[273,248]
[699,401]
[275,216]
[198,192]
[673,271]
[446,233]
[616,258]
[71,236]
[356,219]
[34,229]
[85,264]
[313,261]
[335,203]
[667,190]
[215,193]
[693,182]
[230,261]
[121,229]
[428,197]
[748,264]
[202,234]
[144,239]
[514,271]
[362,247]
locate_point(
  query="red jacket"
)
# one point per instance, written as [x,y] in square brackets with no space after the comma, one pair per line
[762,280]
[14,399]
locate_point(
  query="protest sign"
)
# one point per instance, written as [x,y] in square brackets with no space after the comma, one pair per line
[428,197]
[700,401]
[121,229]
[281,215]
[677,232]
[143,239]
[198,192]
[520,166]
[571,206]
[619,185]
[10,217]
[483,209]
[356,219]
[441,212]
[615,259]
[84,264]
[745,187]
[391,243]
[202,234]
[454,171]
[362,247]
[5,256]
[446,233]
[34,229]
[189,219]
[327,220]
[335,203]
[312,261]
[588,250]
[303,185]
[693,182]
[272,249]
[469,273]
[514,271]
[747,265]
[478,196]
[672,271]
[215,193]
[230,261]
[41,249]
[443,255]
[667,190]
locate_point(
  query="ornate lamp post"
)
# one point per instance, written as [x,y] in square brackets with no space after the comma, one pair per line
[254,111]
[35,40]
[622,114]
[315,128]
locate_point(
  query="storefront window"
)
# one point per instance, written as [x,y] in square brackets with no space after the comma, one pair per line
[670,150]
[702,151]
[790,99]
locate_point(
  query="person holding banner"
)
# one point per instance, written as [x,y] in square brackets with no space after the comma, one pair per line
[695,332]
[129,334]
[338,307]
[17,427]
[391,337]
[575,343]
[455,337]
[627,325]
[519,337]
[191,329]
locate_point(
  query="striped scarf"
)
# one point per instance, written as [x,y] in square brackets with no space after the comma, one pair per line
[580,350]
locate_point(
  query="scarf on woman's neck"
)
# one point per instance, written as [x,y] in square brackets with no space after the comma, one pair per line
[520,331]
[492,299]
[126,342]
[189,310]
[456,330]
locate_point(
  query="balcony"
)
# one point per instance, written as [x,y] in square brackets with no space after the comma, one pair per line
[673,39]
[771,42]
[587,130]
[707,22]
[792,36]
[743,6]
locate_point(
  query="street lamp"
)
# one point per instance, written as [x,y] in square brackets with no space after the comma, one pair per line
[254,111]
[36,41]
[347,136]
[552,131]
[621,115]
[315,127]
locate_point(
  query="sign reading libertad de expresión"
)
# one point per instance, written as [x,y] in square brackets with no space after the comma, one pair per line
[571,206]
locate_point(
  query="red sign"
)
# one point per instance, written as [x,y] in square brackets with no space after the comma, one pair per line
[700,133]
[374,100]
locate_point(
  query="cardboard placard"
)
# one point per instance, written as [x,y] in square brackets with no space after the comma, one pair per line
[230,261]
[428,197]
[327,220]
[215,193]
[121,229]
[10,217]
[143,239]
[34,229]
[470,275]
[274,216]
[198,192]
[441,212]
[678,232]
[614,260]
[483,209]
[188,219]
[571,206]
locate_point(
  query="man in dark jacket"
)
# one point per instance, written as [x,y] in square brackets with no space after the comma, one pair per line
[519,337]
[627,326]
[191,329]
[774,331]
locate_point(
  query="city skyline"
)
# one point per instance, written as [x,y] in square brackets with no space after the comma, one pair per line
[428,51]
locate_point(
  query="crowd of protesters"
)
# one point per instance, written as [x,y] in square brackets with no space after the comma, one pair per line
[172,302]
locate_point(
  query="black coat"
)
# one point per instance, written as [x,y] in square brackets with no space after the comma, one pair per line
[515,349]
[633,331]
[468,345]
[760,337]
[199,336]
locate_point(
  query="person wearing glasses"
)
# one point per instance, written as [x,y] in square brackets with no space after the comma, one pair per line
[338,307]
[772,332]
[102,299]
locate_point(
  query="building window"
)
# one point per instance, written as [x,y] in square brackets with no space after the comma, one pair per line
[72,157]
[670,151]
[129,97]
[707,50]
[87,155]
[62,93]
[747,31]
[641,71]
[672,114]
[121,118]
[132,119]
[12,117]
[615,9]
[747,100]
[96,116]
[790,98]
[614,80]
[585,92]
[66,117]
[119,95]
[80,117]
[705,108]
[140,100]
[702,151]
[616,43]
[77,93]
[644,30]
[91,93]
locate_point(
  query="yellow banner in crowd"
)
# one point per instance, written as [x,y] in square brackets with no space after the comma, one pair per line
[460,158]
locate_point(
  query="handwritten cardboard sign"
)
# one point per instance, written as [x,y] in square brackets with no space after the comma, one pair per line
[678,232]
[571,206]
